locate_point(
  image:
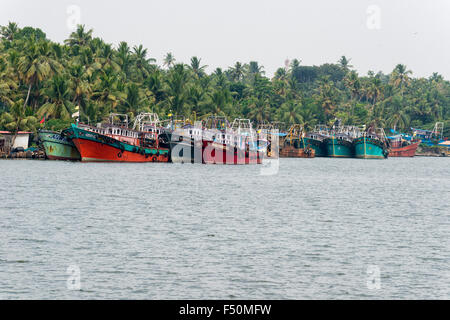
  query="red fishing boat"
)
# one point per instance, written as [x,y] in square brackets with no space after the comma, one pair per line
[238,144]
[116,143]
[406,151]
[219,153]
[402,148]
[214,141]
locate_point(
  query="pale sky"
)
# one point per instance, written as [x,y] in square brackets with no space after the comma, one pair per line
[376,34]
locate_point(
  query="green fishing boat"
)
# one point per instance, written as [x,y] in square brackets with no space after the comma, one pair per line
[371,145]
[339,146]
[58,147]
[314,140]
[340,142]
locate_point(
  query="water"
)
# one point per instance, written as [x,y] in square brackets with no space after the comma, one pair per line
[320,228]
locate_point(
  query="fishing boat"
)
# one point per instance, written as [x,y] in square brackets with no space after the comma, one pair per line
[430,137]
[237,144]
[186,143]
[187,139]
[112,142]
[272,134]
[372,144]
[150,123]
[339,144]
[57,146]
[401,146]
[293,146]
[314,140]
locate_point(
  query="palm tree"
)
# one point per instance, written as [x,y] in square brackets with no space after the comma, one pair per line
[154,84]
[237,72]
[141,62]
[59,104]
[345,63]
[5,93]
[86,58]
[436,77]
[169,60]
[398,114]
[255,69]
[220,99]
[106,59]
[7,85]
[400,77]
[16,120]
[107,92]
[134,99]
[281,74]
[10,31]
[399,119]
[351,81]
[281,87]
[196,67]
[79,37]
[36,65]
[295,64]
[176,87]
[327,97]
[259,109]
[196,97]
[374,90]
[79,85]
[290,112]
[220,78]
[308,118]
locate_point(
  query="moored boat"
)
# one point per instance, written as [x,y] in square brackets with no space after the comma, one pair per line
[314,140]
[237,144]
[272,135]
[116,143]
[186,144]
[372,144]
[338,147]
[57,146]
[289,151]
[408,150]
[293,146]
[430,138]
[340,142]
[402,147]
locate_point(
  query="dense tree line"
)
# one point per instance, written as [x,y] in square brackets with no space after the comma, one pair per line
[40,78]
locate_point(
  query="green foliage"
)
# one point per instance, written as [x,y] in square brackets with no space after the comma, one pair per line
[57,124]
[40,78]
[31,33]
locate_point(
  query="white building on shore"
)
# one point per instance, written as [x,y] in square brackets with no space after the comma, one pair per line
[6,137]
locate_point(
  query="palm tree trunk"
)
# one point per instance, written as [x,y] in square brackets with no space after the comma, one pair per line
[28,96]
[19,118]
[16,132]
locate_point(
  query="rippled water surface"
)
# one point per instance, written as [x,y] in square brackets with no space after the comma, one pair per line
[319,228]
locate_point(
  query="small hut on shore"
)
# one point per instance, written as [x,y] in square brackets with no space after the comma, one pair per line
[6,140]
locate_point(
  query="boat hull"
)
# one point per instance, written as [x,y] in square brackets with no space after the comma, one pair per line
[292,152]
[406,151]
[216,153]
[58,147]
[336,148]
[186,151]
[368,148]
[94,147]
[314,144]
